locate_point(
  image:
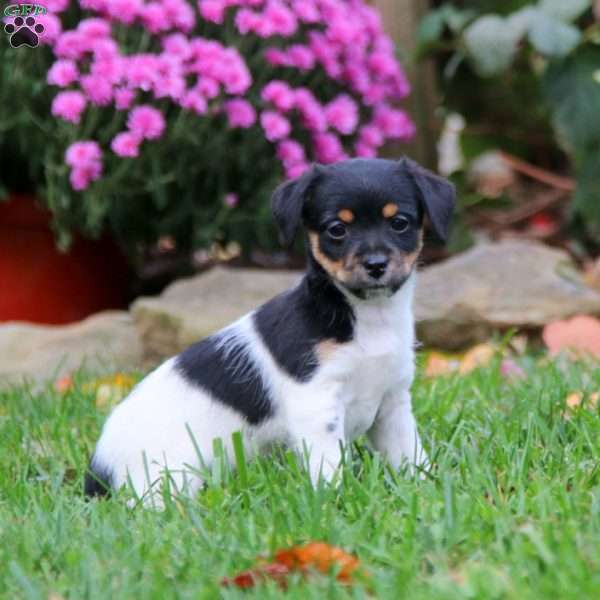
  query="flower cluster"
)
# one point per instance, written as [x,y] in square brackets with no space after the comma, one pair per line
[339,43]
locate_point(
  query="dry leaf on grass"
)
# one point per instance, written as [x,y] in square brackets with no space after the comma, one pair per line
[314,556]
[439,364]
[108,390]
[575,400]
[579,336]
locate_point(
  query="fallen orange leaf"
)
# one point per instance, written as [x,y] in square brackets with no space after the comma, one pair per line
[575,400]
[318,556]
[478,356]
[579,336]
[438,364]
[63,384]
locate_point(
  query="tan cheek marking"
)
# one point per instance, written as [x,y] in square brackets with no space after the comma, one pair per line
[389,210]
[333,267]
[346,215]
[325,350]
[410,259]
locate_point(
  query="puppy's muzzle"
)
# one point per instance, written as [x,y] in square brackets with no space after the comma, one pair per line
[376,265]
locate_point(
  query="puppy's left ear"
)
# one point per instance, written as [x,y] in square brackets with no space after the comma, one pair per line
[438,197]
[287,203]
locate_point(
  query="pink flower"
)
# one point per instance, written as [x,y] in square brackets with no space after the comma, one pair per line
[208,87]
[155,17]
[146,122]
[307,11]
[290,152]
[382,64]
[54,6]
[81,177]
[195,102]
[83,153]
[277,58]
[62,73]
[124,98]
[178,45]
[240,113]
[141,71]
[70,44]
[169,87]
[213,10]
[105,49]
[370,135]
[98,89]
[181,14]
[125,11]
[313,115]
[364,150]
[231,200]
[328,148]
[94,28]
[301,57]
[247,21]
[393,123]
[293,171]
[275,125]
[125,144]
[279,19]
[109,69]
[234,73]
[69,106]
[279,94]
[342,114]
[85,158]
[52,28]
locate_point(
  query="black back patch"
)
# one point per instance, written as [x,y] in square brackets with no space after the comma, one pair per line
[97,481]
[220,365]
[292,323]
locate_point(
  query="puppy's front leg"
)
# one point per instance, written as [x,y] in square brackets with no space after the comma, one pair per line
[316,426]
[394,432]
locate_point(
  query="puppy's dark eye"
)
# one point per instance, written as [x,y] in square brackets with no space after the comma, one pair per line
[337,231]
[399,224]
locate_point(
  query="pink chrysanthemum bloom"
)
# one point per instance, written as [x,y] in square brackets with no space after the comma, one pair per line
[69,106]
[195,102]
[290,152]
[280,20]
[307,11]
[124,98]
[98,89]
[301,57]
[146,122]
[364,150]
[279,94]
[240,113]
[295,170]
[62,73]
[212,10]
[231,200]
[126,144]
[342,114]
[71,44]
[81,177]
[370,135]
[276,126]
[52,28]
[83,153]
[94,28]
[328,148]
[208,87]
[393,123]
[155,17]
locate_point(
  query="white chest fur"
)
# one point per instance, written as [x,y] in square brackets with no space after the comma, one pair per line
[379,359]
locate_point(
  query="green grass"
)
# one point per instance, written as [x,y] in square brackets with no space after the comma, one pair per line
[512,510]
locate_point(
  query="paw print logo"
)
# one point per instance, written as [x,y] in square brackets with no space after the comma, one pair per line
[24,32]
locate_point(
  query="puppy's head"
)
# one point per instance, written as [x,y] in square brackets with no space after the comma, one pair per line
[364,219]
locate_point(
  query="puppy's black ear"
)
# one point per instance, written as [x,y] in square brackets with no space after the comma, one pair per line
[287,203]
[438,197]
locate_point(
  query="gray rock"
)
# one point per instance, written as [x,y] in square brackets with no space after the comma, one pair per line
[494,287]
[193,308]
[103,342]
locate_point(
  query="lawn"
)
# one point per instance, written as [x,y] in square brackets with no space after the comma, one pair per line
[511,511]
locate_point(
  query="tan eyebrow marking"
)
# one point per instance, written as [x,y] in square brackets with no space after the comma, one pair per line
[346,215]
[389,210]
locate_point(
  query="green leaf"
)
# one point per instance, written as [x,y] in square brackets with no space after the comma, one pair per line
[574,98]
[552,37]
[491,44]
[587,195]
[430,28]
[565,10]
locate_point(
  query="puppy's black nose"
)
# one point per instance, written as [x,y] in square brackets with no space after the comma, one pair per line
[376,264]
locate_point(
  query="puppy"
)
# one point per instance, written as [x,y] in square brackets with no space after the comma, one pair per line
[313,368]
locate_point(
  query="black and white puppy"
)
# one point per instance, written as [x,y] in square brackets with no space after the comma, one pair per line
[318,365]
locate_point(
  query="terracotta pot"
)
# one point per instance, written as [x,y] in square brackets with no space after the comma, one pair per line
[40,284]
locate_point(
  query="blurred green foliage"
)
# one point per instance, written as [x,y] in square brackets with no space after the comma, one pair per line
[526,76]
